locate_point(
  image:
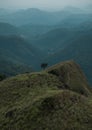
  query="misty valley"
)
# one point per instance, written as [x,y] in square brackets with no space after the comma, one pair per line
[46,69]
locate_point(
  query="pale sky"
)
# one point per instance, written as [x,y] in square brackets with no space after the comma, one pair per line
[43,4]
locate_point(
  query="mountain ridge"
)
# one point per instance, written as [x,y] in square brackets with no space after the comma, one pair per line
[16,50]
[40,101]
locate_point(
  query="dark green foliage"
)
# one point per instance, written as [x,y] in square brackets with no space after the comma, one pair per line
[44,65]
[2,77]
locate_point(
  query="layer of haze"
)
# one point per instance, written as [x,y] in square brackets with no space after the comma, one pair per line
[43,4]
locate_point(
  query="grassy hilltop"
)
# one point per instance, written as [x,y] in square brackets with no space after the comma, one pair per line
[58,98]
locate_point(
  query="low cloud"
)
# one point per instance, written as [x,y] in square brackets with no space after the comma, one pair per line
[42,3]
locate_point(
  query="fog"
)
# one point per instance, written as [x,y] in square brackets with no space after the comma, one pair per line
[43,4]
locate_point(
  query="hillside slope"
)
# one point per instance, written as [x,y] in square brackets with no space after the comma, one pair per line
[55,39]
[16,50]
[59,37]
[11,68]
[40,101]
[7,29]
[71,75]
[79,50]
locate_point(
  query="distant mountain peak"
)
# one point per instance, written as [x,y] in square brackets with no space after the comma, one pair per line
[33,9]
[71,9]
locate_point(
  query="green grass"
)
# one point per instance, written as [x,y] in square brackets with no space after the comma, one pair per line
[72,76]
[40,101]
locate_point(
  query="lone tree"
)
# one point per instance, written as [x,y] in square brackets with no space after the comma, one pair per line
[2,77]
[44,65]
